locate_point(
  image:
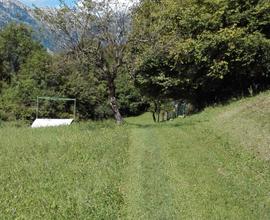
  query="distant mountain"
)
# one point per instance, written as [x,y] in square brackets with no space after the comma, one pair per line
[15,11]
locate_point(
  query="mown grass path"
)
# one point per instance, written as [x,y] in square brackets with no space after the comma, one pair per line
[195,168]
[149,195]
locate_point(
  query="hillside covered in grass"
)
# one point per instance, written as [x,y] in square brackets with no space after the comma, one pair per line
[212,165]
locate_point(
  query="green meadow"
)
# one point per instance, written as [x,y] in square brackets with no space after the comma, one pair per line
[212,165]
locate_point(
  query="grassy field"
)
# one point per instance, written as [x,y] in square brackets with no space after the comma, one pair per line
[213,165]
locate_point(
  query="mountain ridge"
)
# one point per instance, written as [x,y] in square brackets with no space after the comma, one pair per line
[16,11]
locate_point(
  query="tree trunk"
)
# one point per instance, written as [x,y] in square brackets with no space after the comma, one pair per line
[113,102]
[115,109]
[158,111]
[154,116]
[155,111]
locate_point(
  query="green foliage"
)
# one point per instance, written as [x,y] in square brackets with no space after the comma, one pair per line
[199,51]
[27,70]
[74,79]
[24,65]
[129,98]
[16,45]
[204,51]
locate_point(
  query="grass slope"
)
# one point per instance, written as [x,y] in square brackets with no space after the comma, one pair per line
[213,165]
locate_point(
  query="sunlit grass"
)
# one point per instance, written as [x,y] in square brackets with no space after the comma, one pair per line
[213,165]
[58,173]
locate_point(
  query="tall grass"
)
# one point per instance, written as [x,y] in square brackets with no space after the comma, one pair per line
[62,173]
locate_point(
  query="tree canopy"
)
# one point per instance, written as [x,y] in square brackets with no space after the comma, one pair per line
[115,62]
[201,50]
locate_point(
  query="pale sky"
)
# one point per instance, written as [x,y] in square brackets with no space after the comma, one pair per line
[44,3]
[55,3]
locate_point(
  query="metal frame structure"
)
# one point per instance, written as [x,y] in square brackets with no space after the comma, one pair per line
[56,99]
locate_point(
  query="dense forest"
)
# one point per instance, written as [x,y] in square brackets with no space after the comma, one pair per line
[127,62]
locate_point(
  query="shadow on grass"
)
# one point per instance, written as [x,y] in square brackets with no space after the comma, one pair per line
[166,124]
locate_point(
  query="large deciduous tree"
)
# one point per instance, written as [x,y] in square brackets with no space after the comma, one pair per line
[202,50]
[96,33]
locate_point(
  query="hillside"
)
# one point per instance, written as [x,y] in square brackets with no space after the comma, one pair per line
[15,11]
[213,165]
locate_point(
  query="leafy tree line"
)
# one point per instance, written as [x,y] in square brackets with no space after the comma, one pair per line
[27,70]
[199,51]
[204,51]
